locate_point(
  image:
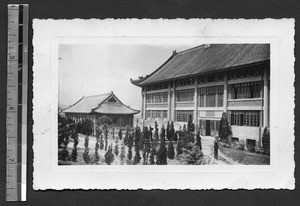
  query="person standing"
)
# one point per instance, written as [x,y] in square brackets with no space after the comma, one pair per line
[216,147]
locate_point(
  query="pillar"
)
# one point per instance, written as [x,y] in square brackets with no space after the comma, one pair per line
[225,98]
[196,105]
[266,99]
[94,124]
[173,102]
[169,103]
[142,110]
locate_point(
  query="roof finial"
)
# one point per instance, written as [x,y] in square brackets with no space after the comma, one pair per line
[112,91]
[174,52]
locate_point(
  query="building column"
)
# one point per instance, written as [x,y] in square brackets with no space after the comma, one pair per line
[169,102]
[266,99]
[144,105]
[173,102]
[225,98]
[94,124]
[142,110]
[196,105]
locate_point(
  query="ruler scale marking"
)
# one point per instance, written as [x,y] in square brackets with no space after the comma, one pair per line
[17,82]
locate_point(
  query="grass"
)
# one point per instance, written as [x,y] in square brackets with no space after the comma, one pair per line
[245,157]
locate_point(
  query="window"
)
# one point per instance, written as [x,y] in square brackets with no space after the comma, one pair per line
[165,114]
[115,120]
[185,95]
[220,100]
[245,118]
[183,116]
[157,97]
[211,93]
[156,114]
[210,100]
[148,114]
[246,90]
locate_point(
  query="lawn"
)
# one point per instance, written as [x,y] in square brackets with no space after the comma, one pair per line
[245,157]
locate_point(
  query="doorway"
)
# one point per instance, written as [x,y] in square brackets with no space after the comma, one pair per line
[207,128]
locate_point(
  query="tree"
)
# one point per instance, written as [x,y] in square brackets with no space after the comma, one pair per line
[171,152]
[116,150]
[198,140]
[172,132]
[109,156]
[224,130]
[137,137]
[122,155]
[168,131]
[86,156]
[120,134]
[137,157]
[156,131]
[161,155]
[126,136]
[129,155]
[101,142]
[266,141]
[146,145]
[75,138]
[190,125]
[162,134]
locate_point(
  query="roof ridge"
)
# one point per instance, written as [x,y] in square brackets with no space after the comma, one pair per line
[191,49]
[98,95]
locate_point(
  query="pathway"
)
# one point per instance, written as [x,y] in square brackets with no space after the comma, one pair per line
[207,149]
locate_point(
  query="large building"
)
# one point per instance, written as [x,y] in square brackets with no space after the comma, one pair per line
[208,80]
[106,107]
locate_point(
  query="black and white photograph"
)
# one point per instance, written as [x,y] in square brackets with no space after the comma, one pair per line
[117,102]
[164,104]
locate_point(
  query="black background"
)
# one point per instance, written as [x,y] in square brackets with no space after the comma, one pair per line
[62,9]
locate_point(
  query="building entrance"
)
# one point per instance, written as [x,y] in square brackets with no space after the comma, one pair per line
[209,127]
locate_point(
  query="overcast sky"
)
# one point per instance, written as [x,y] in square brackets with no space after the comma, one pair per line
[95,69]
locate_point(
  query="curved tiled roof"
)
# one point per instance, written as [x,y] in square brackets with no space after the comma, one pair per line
[97,104]
[203,59]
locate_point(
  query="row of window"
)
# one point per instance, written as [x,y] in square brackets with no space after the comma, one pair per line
[211,96]
[157,97]
[246,90]
[245,118]
[185,95]
[183,115]
[156,114]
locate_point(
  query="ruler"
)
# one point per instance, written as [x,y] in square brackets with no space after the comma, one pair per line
[16,110]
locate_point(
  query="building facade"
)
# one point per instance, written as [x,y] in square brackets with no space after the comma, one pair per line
[102,108]
[208,80]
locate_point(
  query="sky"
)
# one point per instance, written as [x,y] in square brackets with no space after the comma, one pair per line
[86,69]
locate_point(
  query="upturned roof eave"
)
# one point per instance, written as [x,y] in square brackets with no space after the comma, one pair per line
[204,73]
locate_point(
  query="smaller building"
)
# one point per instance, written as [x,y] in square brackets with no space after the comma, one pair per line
[104,107]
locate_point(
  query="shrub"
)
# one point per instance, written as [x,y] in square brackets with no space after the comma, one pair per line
[161,155]
[137,157]
[129,155]
[172,132]
[190,125]
[198,140]
[109,156]
[86,156]
[74,151]
[266,141]
[120,134]
[156,131]
[251,148]
[168,131]
[224,130]
[122,155]
[101,142]
[116,149]
[171,152]
[97,157]
[193,156]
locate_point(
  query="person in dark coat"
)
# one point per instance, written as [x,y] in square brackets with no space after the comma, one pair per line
[216,147]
